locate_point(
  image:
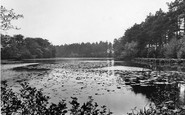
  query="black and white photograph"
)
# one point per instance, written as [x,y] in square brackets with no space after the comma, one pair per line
[92,57]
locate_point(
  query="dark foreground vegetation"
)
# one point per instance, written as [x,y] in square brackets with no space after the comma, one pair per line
[30,101]
[161,35]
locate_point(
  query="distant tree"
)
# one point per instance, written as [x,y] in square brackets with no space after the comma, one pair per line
[176,15]
[175,48]
[17,47]
[11,47]
[100,49]
[130,50]
[156,34]
[40,48]
[117,47]
[181,48]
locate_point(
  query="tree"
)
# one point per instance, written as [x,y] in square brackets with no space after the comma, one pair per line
[155,34]
[100,49]
[18,47]
[175,48]
[130,50]
[6,17]
[177,17]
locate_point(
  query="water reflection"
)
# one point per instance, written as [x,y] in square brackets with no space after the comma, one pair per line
[162,66]
[110,63]
[149,91]
[182,93]
[79,78]
[161,93]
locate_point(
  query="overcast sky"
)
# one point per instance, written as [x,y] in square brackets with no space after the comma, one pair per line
[76,21]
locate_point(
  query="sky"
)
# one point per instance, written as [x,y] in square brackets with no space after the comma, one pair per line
[76,21]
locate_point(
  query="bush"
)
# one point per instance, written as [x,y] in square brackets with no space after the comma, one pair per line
[31,101]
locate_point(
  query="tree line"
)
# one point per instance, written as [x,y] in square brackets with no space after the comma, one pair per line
[161,35]
[18,47]
[101,49]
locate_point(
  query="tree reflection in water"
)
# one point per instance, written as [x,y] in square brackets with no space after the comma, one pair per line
[161,93]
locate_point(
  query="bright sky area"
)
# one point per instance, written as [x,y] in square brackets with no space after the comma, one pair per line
[76,21]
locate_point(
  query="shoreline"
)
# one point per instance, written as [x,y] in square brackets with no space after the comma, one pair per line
[11,66]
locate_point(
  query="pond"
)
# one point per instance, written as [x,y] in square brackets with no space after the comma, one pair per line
[101,78]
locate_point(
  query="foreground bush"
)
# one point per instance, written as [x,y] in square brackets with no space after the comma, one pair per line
[31,101]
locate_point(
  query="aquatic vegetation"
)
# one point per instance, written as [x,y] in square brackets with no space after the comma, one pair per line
[153,110]
[162,88]
[152,78]
[164,102]
[74,81]
[32,101]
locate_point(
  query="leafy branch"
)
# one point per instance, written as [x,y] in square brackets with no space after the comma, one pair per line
[6,17]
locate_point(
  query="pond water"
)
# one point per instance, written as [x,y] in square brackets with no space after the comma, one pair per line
[63,78]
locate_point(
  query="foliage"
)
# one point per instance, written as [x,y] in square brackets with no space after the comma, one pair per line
[101,49]
[30,101]
[153,34]
[152,110]
[175,48]
[165,102]
[6,17]
[117,47]
[130,50]
[87,108]
[171,49]
[181,48]
[9,100]
[18,47]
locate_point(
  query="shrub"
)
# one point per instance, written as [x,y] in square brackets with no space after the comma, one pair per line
[31,101]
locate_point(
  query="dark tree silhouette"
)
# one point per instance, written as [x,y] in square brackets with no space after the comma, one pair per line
[6,17]
[155,33]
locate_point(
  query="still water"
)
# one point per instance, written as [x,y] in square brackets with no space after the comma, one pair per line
[63,78]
